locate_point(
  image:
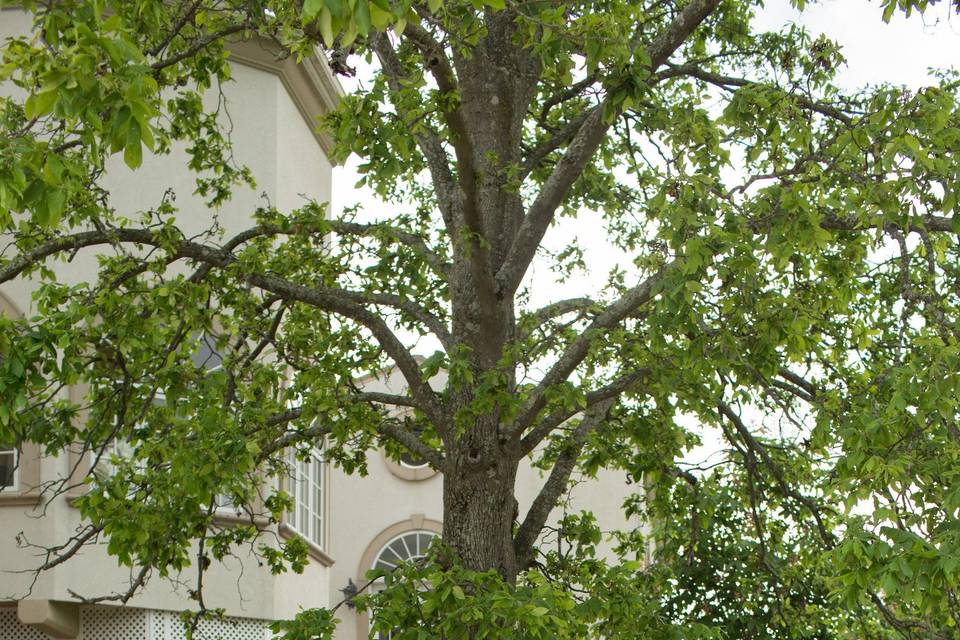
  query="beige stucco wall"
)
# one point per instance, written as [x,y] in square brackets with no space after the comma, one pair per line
[272,137]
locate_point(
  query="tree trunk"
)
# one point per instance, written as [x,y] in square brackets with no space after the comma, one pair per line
[479,509]
[496,84]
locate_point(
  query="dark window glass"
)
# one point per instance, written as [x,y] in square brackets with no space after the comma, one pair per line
[8,465]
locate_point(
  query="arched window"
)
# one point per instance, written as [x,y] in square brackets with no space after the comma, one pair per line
[409,546]
[406,547]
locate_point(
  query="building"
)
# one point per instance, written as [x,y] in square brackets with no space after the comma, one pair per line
[351,524]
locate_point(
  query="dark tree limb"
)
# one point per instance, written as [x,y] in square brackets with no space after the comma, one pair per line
[347,304]
[448,198]
[719,80]
[556,483]
[580,151]
[577,350]
[412,240]
[553,420]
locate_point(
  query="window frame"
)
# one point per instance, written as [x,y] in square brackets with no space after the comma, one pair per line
[14,486]
[401,537]
[317,535]
[378,584]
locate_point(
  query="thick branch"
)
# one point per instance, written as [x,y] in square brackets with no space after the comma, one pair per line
[412,240]
[557,309]
[577,350]
[429,142]
[556,418]
[548,146]
[756,447]
[579,152]
[546,500]
[723,81]
[199,45]
[321,428]
[568,93]
[347,304]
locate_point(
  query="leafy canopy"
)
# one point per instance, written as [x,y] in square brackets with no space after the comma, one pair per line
[789,282]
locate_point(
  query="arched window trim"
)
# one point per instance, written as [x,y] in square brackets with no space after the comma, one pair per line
[413,538]
[416,522]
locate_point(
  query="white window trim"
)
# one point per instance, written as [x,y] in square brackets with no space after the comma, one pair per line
[13,488]
[419,553]
[316,530]
[416,555]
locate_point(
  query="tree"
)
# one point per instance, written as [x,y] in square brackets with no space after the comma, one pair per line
[792,283]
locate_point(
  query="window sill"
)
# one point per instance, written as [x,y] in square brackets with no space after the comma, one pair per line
[315,552]
[20,499]
[233,518]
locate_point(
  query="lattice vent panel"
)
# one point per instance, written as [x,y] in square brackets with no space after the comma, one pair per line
[227,629]
[11,629]
[114,623]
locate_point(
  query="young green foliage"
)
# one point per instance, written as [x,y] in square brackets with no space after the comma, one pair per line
[789,283]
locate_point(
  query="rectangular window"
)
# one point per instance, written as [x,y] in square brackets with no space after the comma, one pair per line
[8,467]
[225,505]
[307,489]
[106,459]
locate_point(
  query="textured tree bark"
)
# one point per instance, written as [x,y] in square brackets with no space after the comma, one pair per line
[478,513]
[496,85]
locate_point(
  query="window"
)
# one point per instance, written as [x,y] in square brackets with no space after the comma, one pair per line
[307,488]
[8,467]
[224,504]
[412,461]
[206,356]
[406,547]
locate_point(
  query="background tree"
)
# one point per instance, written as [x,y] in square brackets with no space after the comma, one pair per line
[792,283]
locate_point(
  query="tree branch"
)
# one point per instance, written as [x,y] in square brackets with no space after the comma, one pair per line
[723,81]
[577,350]
[756,447]
[556,483]
[557,309]
[560,138]
[344,303]
[412,240]
[579,152]
[448,198]
[553,420]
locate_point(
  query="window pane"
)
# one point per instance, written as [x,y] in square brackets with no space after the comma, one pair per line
[8,466]
[424,543]
[206,356]
[307,516]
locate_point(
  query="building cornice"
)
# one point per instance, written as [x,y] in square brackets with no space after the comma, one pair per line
[310,83]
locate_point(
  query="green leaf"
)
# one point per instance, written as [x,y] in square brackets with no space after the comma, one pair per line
[311,8]
[326,27]
[40,104]
[132,151]
[362,16]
